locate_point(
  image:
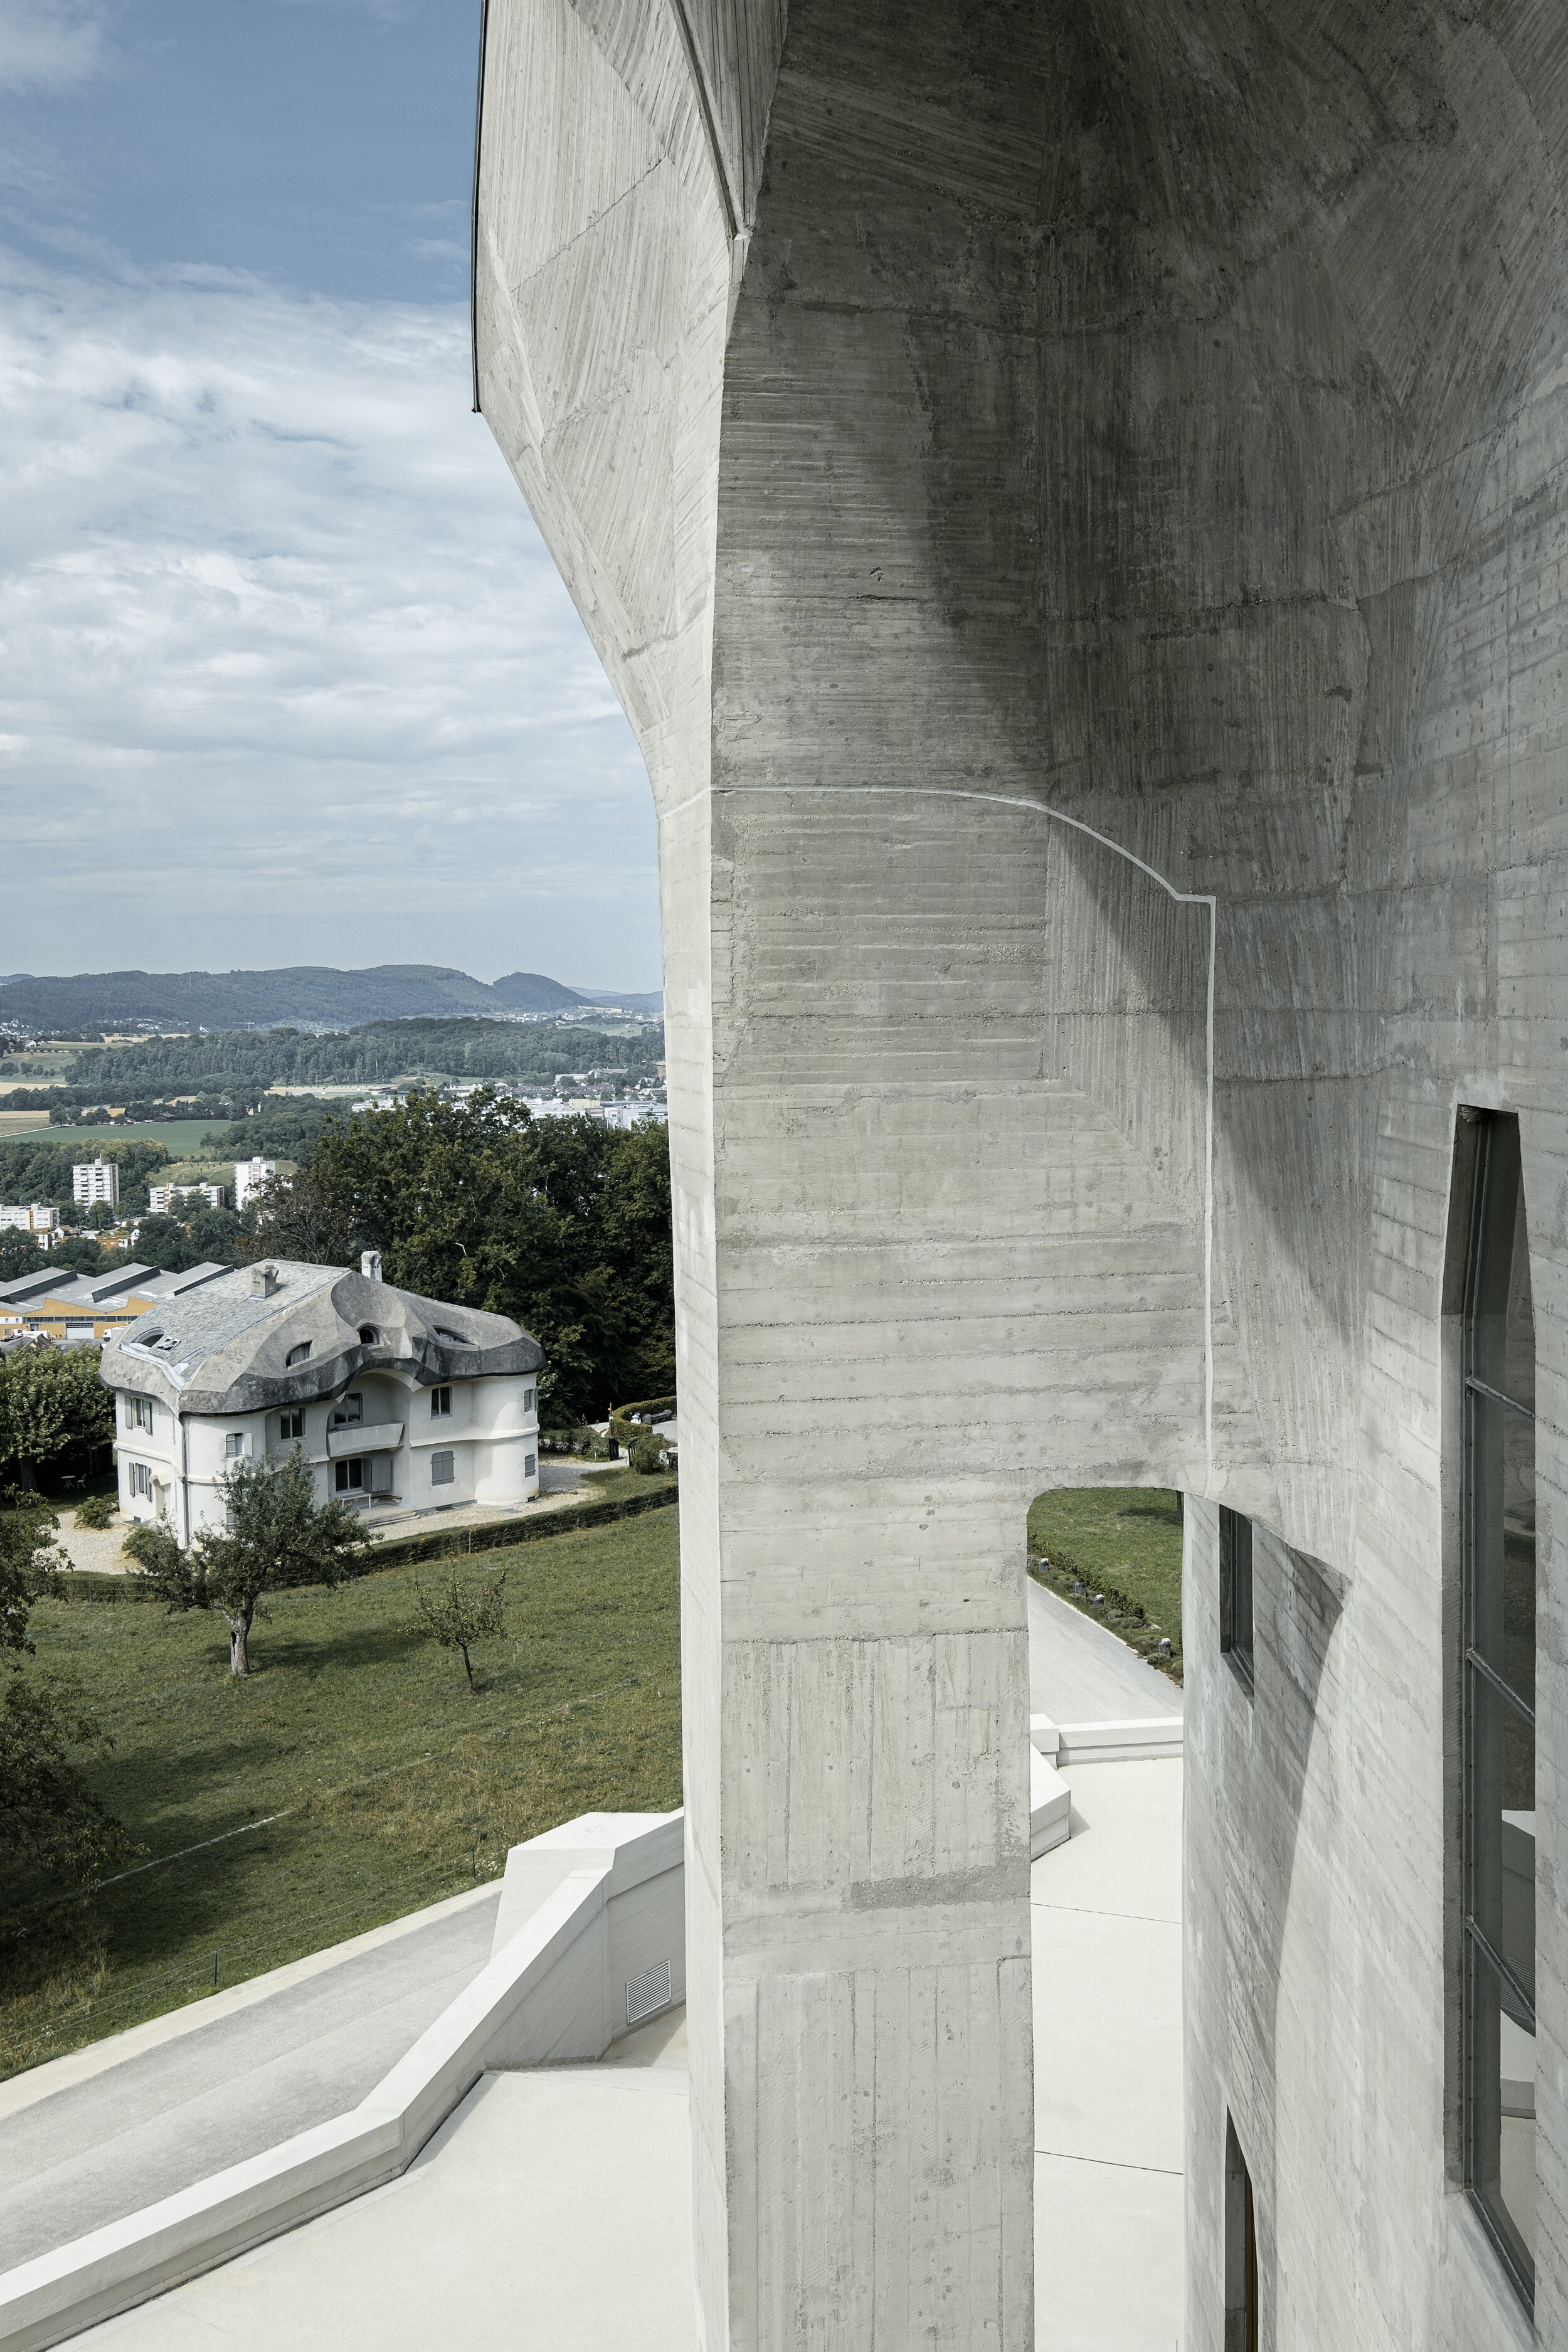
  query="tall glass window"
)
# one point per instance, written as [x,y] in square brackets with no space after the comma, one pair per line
[1499,1705]
[1235,1593]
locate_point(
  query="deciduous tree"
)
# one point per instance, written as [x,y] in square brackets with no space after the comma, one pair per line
[278,1535]
[48,1815]
[457,1615]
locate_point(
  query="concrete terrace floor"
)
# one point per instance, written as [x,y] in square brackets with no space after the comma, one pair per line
[496,2237]
[87,2138]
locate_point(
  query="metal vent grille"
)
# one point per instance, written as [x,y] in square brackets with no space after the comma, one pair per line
[647,1992]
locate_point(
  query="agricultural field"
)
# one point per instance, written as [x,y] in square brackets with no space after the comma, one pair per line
[181,1138]
[353,1778]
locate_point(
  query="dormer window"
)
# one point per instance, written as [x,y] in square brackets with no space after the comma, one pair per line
[298,1355]
[453,1338]
[351,1408]
[369,1336]
[440,1403]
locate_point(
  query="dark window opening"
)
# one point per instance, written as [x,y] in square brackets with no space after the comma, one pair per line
[298,1355]
[440,1403]
[369,1334]
[291,1425]
[350,1476]
[1240,2250]
[348,1412]
[1235,1593]
[1498,1726]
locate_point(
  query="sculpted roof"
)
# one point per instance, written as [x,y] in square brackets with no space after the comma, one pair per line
[224,1347]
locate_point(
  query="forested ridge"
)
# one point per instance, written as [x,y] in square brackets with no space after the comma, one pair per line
[253,1059]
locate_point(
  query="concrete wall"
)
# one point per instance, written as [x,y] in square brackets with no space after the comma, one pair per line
[1071,501]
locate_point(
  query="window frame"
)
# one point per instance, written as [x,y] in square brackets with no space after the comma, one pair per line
[1236,1632]
[441,1402]
[1498,1162]
[295,1435]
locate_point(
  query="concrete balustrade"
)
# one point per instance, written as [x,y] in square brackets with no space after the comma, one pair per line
[590,1912]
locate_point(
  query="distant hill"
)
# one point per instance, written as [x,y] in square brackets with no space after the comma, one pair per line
[163,1068]
[530,991]
[301,996]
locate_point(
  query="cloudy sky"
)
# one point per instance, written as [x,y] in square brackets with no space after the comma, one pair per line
[286,673]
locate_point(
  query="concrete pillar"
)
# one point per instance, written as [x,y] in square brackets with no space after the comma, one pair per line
[1071,501]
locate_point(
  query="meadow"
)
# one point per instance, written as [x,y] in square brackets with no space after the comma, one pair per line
[353,1778]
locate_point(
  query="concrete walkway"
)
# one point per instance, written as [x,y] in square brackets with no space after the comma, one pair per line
[97,2135]
[497,2236]
[1106,1915]
[554,2209]
[1080,1672]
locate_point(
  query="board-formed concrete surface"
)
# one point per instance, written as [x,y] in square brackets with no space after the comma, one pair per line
[1075,505]
[106,2143]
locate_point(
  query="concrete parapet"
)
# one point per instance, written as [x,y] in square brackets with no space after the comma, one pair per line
[578,1933]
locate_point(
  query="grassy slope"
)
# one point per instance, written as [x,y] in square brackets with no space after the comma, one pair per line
[182,1137]
[1129,1536]
[397,1786]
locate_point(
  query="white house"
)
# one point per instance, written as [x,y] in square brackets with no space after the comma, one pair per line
[96,1179]
[394,1398]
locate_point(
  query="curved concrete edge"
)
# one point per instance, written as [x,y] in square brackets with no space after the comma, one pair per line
[547,1994]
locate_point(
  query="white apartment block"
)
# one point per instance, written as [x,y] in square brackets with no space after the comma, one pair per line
[163,1198]
[39,1218]
[249,1175]
[96,1179]
[393,1400]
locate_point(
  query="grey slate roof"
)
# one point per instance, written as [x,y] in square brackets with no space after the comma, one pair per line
[223,1346]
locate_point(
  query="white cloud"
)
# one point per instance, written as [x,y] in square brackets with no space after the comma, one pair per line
[48,44]
[286,672]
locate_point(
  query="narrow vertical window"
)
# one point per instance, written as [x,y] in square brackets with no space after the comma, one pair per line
[1240,2250]
[1235,1592]
[1499,1705]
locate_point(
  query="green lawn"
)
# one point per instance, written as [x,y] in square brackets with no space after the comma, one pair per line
[1117,1540]
[183,1137]
[391,1786]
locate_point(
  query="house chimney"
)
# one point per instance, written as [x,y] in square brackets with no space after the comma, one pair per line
[370,1264]
[263,1281]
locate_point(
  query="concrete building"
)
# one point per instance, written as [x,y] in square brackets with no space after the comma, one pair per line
[163,1198]
[96,1179]
[394,1399]
[1072,503]
[40,1219]
[249,1176]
